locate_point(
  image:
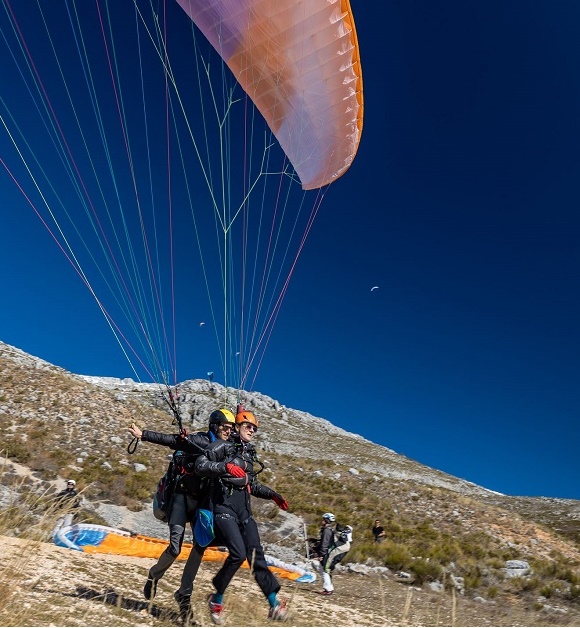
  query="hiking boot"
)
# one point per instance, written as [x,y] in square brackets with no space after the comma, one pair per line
[185,612]
[215,610]
[150,589]
[279,612]
[324,592]
[183,601]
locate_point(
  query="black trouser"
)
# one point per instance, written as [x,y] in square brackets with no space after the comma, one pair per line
[183,510]
[243,542]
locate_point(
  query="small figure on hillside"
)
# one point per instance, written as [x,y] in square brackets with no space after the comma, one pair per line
[378,532]
[69,502]
[332,547]
[69,493]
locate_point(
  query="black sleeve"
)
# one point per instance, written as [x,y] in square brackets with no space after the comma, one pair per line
[193,444]
[212,463]
[174,441]
[261,490]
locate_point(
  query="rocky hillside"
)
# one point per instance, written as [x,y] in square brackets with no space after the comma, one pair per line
[445,536]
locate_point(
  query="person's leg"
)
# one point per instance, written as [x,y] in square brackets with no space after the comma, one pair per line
[266,580]
[327,581]
[230,531]
[335,556]
[190,570]
[177,520]
[195,556]
[325,570]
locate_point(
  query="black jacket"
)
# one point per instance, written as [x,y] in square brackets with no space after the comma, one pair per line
[190,447]
[68,499]
[231,495]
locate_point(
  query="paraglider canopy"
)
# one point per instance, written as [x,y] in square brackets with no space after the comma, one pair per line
[158,145]
[299,62]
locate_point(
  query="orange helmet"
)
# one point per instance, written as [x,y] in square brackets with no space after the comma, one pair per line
[246,417]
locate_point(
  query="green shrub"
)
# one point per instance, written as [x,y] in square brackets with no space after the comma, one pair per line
[574,592]
[495,563]
[547,591]
[492,592]
[395,556]
[566,573]
[426,570]
[444,552]
[16,450]
[524,584]
[359,552]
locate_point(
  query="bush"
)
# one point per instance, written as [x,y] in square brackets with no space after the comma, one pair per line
[395,555]
[16,450]
[547,591]
[444,552]
[359,552]
[426,570]
[492,592]
[574,593]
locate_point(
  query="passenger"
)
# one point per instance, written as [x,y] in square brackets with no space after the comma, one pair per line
[230,495]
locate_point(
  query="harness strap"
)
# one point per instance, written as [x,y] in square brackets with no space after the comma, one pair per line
[225,515]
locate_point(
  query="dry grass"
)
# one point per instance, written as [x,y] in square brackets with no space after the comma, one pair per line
[59,587]
[61,426]
[45,585]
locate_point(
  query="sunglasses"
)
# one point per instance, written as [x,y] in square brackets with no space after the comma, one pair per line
[250,427]
[225,428]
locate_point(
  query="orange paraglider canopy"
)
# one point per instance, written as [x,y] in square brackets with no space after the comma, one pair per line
[299,62]
[97,539]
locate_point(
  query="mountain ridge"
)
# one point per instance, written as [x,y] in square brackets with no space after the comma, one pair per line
[60,424]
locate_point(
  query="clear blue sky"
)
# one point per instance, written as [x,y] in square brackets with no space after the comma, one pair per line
[462,205]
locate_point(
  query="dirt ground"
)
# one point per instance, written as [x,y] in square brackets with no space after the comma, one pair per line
[44,585]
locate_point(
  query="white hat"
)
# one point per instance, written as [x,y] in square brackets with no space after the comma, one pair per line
[71,482]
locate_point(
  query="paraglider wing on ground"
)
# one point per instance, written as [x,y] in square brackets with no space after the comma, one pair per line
[99,539]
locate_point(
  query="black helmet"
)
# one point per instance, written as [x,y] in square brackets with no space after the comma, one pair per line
[223,415]
[219,417]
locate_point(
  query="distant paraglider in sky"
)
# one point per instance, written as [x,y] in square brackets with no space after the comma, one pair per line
[374,288]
